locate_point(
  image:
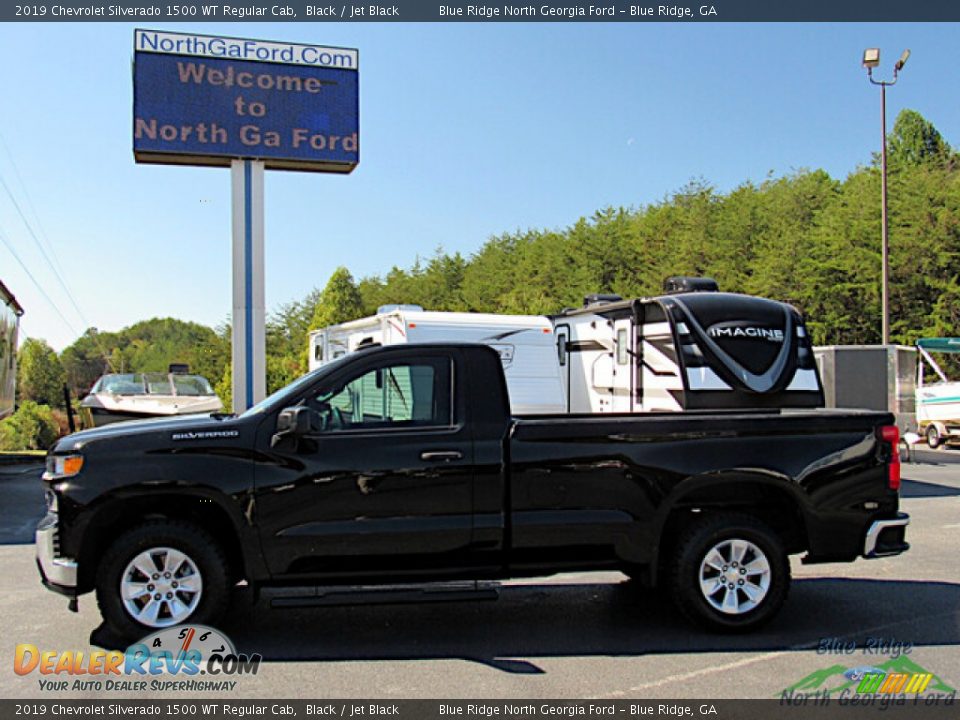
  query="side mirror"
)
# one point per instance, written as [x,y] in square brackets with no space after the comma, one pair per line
[292,422]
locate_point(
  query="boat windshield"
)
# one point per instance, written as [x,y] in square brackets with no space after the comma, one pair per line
[192,385]
[157,383]
[154,384]
[120,384]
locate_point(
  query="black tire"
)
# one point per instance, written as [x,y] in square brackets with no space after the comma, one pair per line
[933,437]
[204,552]
[690,553]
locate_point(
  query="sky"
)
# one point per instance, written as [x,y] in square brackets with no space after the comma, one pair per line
[467,131]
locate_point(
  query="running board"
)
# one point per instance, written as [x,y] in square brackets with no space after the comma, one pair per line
[389,594]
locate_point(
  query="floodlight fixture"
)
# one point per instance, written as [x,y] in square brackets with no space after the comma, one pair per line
[871,58]
[902,61]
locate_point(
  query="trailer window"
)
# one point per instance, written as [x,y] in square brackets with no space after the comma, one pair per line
[623,356]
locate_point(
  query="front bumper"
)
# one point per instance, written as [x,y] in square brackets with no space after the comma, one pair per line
[58,573]
[886,537]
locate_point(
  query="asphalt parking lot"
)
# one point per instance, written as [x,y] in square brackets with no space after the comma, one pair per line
[576,635]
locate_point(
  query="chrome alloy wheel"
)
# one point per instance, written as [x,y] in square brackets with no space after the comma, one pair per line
[161,587]
[734,576]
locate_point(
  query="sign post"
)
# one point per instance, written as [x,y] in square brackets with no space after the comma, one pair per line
[250,105]
[249,312]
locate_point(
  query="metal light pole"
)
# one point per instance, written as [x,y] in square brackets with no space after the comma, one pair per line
[871,59]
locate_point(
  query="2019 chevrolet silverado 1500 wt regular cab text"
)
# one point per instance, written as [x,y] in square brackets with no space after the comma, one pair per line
[403,464]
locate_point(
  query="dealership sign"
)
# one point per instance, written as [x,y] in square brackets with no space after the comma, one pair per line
[202,100]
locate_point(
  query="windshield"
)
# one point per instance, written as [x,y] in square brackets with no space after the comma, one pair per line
[157,383]
[192,385]
[282,397]
[153,384]
[124,384]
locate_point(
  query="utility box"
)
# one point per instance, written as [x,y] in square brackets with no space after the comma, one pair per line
[872,377]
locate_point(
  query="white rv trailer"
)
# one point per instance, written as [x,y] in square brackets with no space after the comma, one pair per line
[938,403]
[525,343]
[693,348]
[10,312]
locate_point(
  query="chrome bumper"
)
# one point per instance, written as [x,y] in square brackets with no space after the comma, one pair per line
[57,571]
[872,538]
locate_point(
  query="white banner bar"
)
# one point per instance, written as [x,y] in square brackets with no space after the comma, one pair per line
[155,41]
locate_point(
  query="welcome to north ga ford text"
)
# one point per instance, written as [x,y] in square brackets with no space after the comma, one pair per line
[254,131]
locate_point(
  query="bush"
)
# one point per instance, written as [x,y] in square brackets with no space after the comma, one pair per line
[31,427]
[39,374]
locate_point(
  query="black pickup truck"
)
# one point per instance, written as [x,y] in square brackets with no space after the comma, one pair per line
[402,465]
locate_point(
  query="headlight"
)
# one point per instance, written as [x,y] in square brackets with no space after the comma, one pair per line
[62,466]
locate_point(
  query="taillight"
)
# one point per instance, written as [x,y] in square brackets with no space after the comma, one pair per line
[891,434]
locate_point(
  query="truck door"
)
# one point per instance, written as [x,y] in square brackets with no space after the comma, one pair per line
[384,481]
[623,366]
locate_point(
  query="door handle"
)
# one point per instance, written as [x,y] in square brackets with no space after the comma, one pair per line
[446,455]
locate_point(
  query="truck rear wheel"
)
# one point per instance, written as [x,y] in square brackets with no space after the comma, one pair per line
[160,574]
[933,437]
[730,572]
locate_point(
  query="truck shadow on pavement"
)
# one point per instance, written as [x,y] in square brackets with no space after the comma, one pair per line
[918,489]
[616,619]
[23,504]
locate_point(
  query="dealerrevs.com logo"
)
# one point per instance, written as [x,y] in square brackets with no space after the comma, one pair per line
[185,658]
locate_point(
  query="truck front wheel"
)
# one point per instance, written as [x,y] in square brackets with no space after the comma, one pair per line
[160,574]
[730,572]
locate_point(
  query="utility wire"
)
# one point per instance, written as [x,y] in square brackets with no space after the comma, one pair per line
[43,252]
[30,205]
[46,257]
[43,292]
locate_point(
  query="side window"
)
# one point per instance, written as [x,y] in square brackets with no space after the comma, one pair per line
[408,394]
[622,349]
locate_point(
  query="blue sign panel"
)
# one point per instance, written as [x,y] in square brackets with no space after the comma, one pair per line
[202,110]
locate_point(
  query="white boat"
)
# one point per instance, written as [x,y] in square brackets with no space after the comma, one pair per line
[131,396]
[938,403]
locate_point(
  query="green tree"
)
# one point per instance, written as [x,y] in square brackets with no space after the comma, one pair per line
[31,427]
[287,331]
[40,375]
[915,141]
[224,388]
[88,358]
[339,302]
[786,211]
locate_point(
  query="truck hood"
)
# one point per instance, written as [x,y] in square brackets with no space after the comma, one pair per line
[182,424]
